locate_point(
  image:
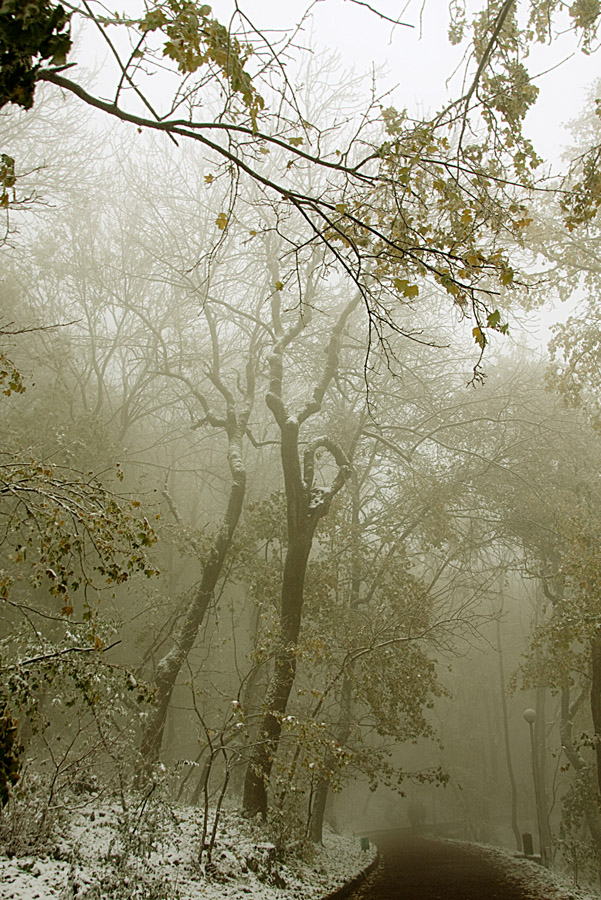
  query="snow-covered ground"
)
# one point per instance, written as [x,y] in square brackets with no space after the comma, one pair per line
[105,855]
[535,880]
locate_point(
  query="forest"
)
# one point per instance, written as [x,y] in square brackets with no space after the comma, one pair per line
[300,476]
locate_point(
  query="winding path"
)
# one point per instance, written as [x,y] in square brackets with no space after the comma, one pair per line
[421,869]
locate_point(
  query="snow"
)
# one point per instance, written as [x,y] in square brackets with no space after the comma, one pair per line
[152,854]
[531,877]
[106,853]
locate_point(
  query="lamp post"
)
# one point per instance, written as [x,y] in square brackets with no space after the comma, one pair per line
[530,717]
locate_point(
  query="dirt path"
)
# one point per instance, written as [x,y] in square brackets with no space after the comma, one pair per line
[421,869]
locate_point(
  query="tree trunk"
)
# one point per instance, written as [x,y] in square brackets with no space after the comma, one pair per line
[596,703]
[343,730]
[540,733]
[320,795]
[514,793]
[591,805]
[284,671]
[252,696]
[186,632]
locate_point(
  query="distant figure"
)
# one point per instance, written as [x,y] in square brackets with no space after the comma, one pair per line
[417,816]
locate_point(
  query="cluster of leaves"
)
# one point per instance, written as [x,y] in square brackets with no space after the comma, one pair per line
[259,553]
[586,14]
[11,381]
[422,201]
[65,531]
[8,179]
[73,709]
[504,91]
[556,653]
[505,86]
[581,566]
[31,31]
[68,669]
[560,648]
[581,204]
[310,750]
[428,220]
[195,39]
[380,769]
[579,854]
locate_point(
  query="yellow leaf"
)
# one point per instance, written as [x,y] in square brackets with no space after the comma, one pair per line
[221,221]
[209,178]
[279,286]
[479,337]
[405,288]
[67,610]
[98,645]
[296,141]
[523,223]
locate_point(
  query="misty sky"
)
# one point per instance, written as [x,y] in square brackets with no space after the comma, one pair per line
[417,64]
[419,61]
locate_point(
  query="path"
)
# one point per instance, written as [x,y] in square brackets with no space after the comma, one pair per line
[421,869]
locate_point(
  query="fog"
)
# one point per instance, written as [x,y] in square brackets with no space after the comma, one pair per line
[300,481]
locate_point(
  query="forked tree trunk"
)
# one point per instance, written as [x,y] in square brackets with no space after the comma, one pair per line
[305,506]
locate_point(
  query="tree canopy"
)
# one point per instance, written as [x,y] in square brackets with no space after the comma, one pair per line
[398,205]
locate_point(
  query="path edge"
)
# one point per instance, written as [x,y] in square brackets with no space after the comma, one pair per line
[345,889]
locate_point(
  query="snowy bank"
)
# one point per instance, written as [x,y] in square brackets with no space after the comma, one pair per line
[531,877]
[108,854]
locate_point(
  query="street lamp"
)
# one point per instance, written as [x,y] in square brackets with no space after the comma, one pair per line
[530,717]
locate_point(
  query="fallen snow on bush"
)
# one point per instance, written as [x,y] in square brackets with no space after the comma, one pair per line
[108,854]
